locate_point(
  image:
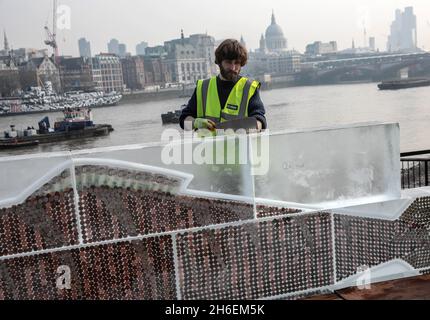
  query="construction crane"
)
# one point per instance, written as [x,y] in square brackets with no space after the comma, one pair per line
[52,36]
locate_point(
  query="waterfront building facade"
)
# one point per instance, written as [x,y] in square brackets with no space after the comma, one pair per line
[133,71]
[110,68]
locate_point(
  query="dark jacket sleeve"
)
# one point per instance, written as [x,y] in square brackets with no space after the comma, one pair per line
[256,109]
[189,110]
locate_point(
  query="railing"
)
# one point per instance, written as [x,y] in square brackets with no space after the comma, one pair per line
[415,170]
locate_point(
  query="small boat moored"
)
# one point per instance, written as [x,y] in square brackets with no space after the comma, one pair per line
[76,124]
[403,84]
[172,116]
[17,144]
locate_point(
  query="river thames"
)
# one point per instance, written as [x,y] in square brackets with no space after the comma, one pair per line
[287,109]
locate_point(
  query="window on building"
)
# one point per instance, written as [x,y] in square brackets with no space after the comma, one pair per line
[193,67]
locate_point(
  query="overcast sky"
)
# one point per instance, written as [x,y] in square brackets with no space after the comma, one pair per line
[154,21]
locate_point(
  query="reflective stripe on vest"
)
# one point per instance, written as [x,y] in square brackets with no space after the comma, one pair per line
[208,104]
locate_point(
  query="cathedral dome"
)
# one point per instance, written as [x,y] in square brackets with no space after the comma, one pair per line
[274,30]
[275,40]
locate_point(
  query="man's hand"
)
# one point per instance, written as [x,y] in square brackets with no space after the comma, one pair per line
[259,126]
[201,123]
[188,123]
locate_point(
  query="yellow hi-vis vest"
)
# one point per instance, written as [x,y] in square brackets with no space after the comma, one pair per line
[236,107]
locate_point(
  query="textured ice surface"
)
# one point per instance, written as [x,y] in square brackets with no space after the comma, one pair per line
[329,166]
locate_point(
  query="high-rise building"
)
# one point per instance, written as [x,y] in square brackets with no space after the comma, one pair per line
[6,43]
[403,36]
[372,43]
[242,41]
[141,48]
[84,48]
[119,49]
[113,47]
[122,50]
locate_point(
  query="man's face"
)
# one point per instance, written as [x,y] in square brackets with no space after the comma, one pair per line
[230,69]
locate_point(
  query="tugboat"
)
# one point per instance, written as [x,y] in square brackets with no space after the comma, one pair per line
[76,124]
[403,84]
[172,116]
[14,143]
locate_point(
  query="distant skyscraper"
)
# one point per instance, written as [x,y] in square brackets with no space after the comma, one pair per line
[372,44]
[242,41]
[141,48]
[6,43]
[84,48]
[122,50]
[403,36]
[113,47]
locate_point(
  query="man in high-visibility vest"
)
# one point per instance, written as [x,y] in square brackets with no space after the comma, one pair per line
[228,96]
[225,97]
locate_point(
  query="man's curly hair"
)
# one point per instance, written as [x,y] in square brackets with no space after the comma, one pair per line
[231,49]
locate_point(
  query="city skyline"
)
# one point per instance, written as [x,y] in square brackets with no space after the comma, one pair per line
[301,26]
